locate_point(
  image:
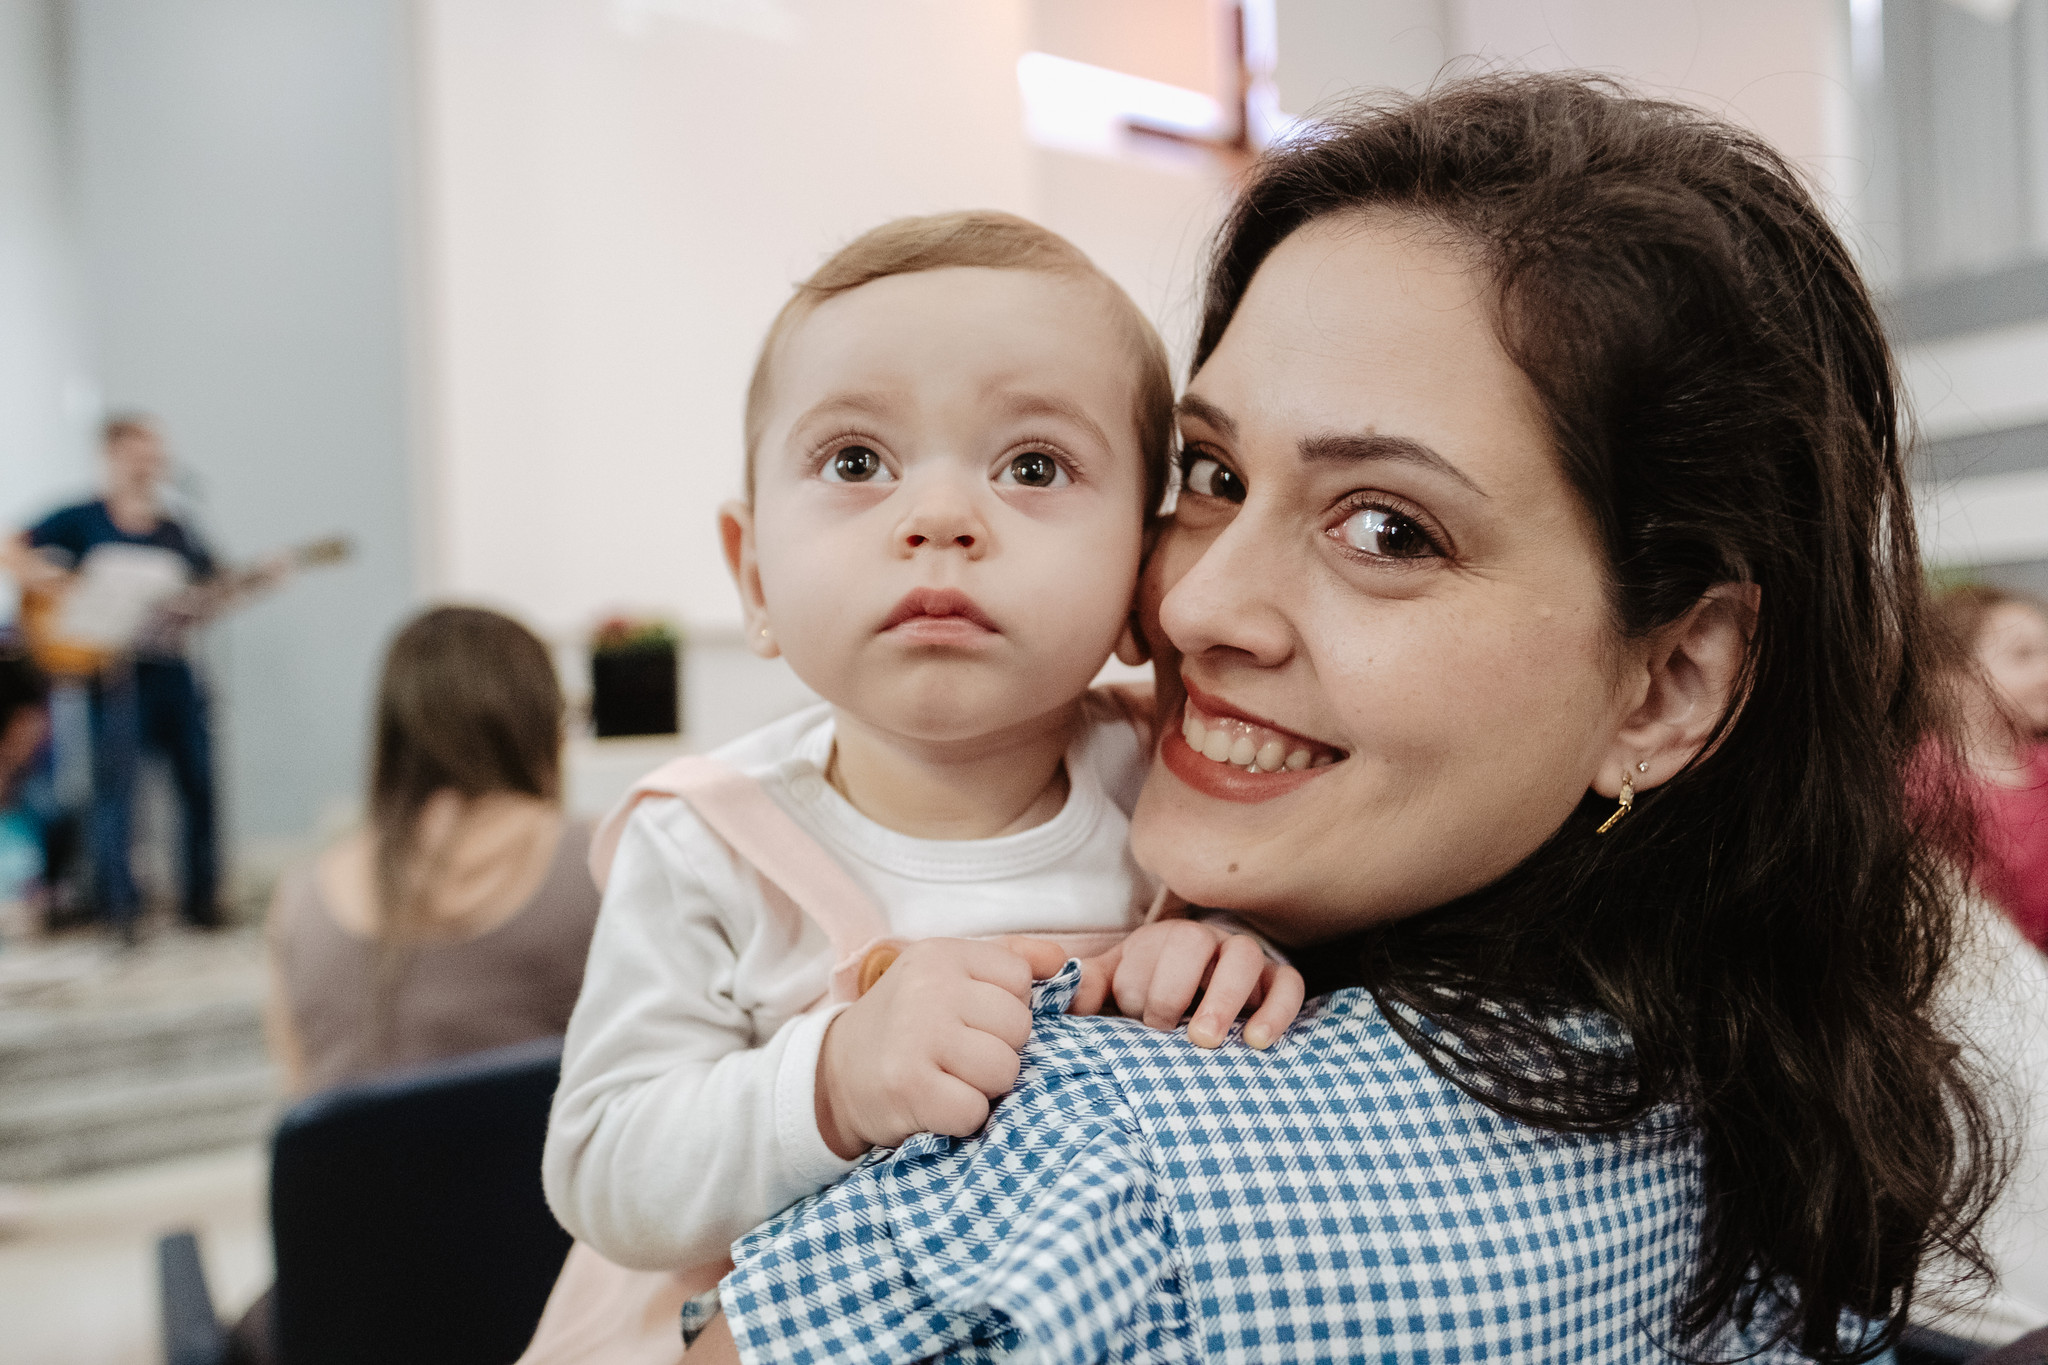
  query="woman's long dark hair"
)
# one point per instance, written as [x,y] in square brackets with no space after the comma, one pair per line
[1771,925]
[468,704]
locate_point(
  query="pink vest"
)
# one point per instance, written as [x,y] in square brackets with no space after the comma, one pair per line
[797,875]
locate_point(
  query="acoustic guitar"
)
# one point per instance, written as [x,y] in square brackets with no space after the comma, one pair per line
[136,612]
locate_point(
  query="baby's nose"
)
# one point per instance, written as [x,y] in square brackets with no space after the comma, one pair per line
[944,518]
[917,538]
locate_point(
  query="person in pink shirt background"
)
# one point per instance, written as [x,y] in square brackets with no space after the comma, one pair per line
[2001,644]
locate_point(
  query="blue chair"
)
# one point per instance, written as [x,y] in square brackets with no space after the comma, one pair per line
[408,1221]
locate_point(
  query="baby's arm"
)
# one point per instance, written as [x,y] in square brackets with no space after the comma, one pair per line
[673,1132]
[1156,973]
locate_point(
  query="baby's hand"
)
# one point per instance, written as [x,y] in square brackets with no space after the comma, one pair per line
[930,1044]
[1156,973]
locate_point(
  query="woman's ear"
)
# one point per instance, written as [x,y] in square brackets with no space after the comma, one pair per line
[736,534]
[1691,676]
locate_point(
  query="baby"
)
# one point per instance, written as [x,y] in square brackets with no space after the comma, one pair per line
[956,433]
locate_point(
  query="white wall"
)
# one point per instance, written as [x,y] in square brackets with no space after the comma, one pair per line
[620,197]
[45,389]
[240,181]
[1779,66]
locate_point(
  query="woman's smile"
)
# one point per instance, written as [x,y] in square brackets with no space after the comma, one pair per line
[1232,755]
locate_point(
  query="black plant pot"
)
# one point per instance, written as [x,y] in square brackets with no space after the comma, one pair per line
[635,691]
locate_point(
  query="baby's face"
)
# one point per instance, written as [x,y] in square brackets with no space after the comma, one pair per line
[948,500]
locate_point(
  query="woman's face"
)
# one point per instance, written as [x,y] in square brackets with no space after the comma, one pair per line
[1379,604]
[2012,649]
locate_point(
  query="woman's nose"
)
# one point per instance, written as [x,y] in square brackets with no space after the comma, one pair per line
[1227,599]
[942,516]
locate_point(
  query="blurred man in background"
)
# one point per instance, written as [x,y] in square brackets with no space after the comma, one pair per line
[101,585]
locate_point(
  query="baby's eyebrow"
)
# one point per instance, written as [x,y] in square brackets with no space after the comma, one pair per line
[871,402]
[1016,404]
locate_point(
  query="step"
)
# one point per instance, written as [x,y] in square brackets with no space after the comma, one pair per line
[79,1047]
[111,1058]
[58,1130]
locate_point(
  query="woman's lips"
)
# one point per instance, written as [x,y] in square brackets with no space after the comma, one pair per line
[939,616]
[1237,759]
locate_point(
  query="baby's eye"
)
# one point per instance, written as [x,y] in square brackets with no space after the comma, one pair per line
[855,464]
[1034,469]
[1386,533]
[1208,477]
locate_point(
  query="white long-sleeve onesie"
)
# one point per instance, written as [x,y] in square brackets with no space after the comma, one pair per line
[685,1114]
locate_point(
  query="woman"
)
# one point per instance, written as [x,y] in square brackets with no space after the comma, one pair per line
[1541,467]
[1999,662]
[460,918]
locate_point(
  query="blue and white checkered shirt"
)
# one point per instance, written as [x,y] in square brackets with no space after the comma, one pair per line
[1139,1199]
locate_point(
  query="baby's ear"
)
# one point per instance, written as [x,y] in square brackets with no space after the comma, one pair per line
[1132,648]
[736,536]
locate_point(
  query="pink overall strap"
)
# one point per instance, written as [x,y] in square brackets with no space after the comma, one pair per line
[739,810]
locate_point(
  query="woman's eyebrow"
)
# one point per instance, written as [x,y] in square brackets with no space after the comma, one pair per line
[1349,448]
[1206,413]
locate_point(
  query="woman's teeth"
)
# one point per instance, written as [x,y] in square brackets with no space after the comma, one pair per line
[1251,747]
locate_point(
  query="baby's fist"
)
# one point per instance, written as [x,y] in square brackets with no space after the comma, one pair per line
[929,1045]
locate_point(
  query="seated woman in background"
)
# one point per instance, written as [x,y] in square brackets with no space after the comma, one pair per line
[1999,655]
[458,921]
[460,918]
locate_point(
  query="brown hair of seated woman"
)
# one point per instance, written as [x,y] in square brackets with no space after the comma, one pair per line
[468,708]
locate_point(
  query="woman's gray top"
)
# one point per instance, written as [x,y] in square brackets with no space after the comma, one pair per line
[511,983]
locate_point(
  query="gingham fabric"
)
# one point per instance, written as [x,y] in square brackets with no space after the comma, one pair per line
[1139,1199]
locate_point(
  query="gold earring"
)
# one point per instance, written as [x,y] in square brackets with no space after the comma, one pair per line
[1628,799]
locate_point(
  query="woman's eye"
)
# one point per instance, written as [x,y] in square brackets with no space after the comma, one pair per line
[855,464]
[1209,477]
[1034,469]
[1378,531]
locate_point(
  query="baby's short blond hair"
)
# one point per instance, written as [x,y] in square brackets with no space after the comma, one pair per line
[994,241]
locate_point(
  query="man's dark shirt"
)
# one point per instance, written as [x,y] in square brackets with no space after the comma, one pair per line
[78,531]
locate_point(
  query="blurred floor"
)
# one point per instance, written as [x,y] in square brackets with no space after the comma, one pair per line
[111,1059]
[133,1096]
[84,970]
[78,1256]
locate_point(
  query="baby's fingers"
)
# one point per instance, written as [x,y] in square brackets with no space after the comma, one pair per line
[987,1063]
[1177,978]
[1043,955]
[1284,992]
[1240,967]
[948,1106]
[1093,992]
